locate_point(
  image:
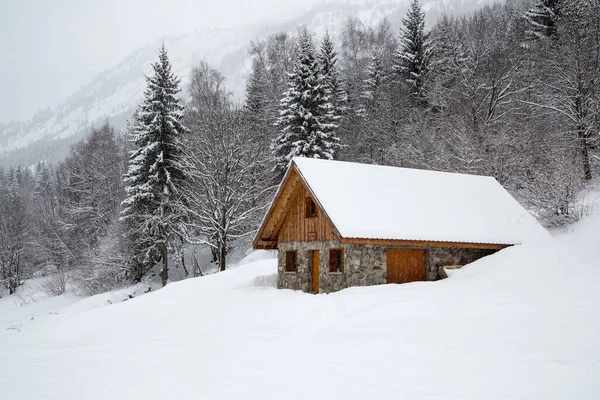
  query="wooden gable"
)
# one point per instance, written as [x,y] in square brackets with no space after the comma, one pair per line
[288,219]
[298,226]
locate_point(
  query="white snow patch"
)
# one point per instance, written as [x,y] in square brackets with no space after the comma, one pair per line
[258,255]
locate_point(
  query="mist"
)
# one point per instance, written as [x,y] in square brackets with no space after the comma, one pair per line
[51,48]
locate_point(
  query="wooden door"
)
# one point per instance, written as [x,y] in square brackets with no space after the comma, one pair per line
[405,265]
[315,271]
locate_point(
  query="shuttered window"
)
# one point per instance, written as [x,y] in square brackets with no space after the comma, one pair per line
[311,208]
[291,261]
[336,260]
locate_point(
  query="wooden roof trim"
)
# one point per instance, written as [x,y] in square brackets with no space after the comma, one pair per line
[424,243]
[284,213]
[268,215]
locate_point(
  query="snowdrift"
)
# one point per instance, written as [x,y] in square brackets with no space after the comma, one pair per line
[521,324]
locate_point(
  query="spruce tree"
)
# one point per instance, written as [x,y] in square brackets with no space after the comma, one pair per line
[256,106]
[543,18]
[50,227]
[154,210]
[306,120]
[376,113]
[331,76]
[255,99]
[371,84]
[14,229]
[412,57]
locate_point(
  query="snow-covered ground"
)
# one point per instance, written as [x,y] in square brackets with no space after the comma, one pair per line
[522,324]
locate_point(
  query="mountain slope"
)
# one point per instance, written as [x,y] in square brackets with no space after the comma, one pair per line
[520,324]
[113,95]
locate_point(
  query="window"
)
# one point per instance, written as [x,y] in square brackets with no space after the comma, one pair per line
[336,260]
[311,208]
[291,261]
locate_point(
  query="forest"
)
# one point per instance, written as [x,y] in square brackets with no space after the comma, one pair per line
[510,91]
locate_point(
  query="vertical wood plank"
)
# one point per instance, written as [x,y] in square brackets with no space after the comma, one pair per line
[315,271]
[296,226]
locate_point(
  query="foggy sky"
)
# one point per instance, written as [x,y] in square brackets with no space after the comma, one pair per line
[50,48]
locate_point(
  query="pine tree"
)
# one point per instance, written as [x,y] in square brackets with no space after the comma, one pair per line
[254,90]
[256,106]
[154,211]
[412,58]
[331,76]
[49,230]
[445,44]
[14,230]
[543,18]
[375,128]
[371,84]
[306,120]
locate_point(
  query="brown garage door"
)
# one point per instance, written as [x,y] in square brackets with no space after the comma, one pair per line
[405,265]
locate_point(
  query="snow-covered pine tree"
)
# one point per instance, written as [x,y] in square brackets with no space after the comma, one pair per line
[411,61]
[371,84]
[306,118]
[543,18]
[255,98]
[445,43]
[48,244]
[15,225]
[376,114]
[331,76]
[256,105]
[154,210]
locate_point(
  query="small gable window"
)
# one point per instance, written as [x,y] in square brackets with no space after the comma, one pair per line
[291,261]
[311,208]
[336,260]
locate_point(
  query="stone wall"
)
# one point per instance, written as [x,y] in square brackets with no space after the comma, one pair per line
[439,256]
[299,280]
[363,265]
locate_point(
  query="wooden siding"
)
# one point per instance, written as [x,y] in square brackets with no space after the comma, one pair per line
[297,227]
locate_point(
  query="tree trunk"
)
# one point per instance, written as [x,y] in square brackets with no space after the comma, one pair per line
[585,160]
[164,273]
[183,265]
[223,254]
[215,253]
[197,269]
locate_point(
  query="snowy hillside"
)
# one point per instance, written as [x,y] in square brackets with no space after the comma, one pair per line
[114,94]
[521,324]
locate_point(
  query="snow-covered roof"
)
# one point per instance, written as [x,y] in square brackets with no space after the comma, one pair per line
[379,202]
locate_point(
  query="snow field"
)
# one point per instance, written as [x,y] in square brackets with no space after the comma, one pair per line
[521,324]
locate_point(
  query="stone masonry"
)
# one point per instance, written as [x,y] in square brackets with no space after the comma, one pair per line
[439,256]
[364,265]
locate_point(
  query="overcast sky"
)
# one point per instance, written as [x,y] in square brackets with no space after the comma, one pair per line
[50,48]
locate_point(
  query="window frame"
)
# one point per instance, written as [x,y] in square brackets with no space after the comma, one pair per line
[310,208]
[288,254]
[339,270]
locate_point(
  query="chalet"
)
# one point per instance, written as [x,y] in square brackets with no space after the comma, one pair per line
[339,224]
